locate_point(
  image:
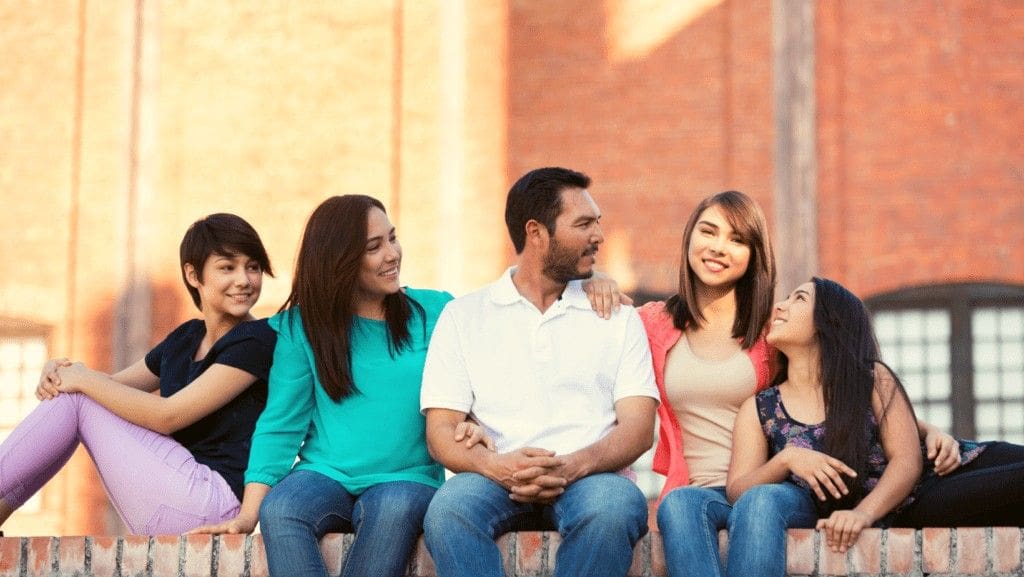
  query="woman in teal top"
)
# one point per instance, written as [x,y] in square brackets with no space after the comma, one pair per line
[344,399]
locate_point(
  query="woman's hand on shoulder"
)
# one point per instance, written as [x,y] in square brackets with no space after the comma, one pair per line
[842,528]
[605,295]
[242,524]
[820,471]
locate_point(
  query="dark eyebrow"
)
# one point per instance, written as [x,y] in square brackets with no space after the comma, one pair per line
[706,223]
[380,237]
[801,291]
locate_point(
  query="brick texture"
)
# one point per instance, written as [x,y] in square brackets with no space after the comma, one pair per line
[974,551]
[110,151]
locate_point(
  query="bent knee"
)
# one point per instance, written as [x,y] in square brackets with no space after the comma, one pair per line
[774,499]
[612,501]
[278,506]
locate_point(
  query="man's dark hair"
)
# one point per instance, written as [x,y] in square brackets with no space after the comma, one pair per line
[222,234]
[537,195]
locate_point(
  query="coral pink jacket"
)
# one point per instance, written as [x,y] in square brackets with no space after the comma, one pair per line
[662,335]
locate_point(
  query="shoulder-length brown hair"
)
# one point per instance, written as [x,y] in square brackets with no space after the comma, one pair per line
[325,283]
[755,290]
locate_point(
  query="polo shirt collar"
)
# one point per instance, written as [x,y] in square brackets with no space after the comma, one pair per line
[504,292]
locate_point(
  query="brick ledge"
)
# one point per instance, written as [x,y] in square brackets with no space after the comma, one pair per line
[936,552]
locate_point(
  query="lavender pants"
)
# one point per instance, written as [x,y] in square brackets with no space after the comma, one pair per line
[155,483]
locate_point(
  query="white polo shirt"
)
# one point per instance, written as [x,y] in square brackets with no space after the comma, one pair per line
[546,380]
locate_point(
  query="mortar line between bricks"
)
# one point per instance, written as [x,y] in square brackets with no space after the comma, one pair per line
[990,551]
[817,553]
[545,553]
[181,556]
[953,554]
[883,553]
[23,563]
[247,555]
[214,554]
[55,555]
[918,553]
[87,556]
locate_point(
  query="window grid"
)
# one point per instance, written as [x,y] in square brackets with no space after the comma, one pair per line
[998,351]
[916,344]
[21,361]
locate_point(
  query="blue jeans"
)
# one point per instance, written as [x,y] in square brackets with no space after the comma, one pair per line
[689,519]
[386,518]
[600,519]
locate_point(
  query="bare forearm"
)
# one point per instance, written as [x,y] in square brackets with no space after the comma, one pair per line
[134,405]
[618,449]
[775,470]
[893,487]
[453,454]
[252,498]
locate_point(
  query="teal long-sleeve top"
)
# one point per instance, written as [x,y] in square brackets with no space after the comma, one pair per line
[373,436]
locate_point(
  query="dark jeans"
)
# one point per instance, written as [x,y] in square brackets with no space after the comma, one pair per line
[987,492]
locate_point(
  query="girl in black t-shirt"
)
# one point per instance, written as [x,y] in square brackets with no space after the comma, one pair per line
[170,462]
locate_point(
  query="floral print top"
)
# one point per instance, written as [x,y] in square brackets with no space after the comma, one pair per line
[781,430]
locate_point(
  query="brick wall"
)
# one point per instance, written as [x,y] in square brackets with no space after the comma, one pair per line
[919,115]
[935,552]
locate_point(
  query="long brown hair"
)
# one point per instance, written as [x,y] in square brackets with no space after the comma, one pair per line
[325,283]
[755,290]
[849,372]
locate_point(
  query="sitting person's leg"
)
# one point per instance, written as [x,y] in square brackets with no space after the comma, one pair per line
[600,518]
[983,493]
[689,519]
[388,518]
[154,482]
[296,513]
[466,515]
[757,528]
[35,450]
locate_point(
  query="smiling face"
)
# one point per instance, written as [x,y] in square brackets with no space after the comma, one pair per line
[572,249]
[717,253]
[381,261]
[230,285]
[793,319]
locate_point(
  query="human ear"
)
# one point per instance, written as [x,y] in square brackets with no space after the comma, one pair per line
[191,275]
[535,231]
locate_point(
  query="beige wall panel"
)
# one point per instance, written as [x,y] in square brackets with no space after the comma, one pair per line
[265,111]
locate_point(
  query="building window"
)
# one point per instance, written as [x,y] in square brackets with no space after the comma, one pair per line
[959,350]
[23,352]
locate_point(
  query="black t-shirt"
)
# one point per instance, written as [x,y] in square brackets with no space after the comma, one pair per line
[220,440]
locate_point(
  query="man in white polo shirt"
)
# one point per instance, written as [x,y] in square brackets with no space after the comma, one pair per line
[568,397]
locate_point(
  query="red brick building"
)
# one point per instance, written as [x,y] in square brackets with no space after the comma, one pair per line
[881,138]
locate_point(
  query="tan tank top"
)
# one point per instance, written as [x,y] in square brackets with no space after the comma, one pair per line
[706,396]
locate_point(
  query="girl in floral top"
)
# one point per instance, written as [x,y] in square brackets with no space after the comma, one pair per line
[838,421]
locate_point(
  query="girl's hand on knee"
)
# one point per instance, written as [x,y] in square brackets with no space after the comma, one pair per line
[820,471]
[70,377]
[842,528]
[49,380]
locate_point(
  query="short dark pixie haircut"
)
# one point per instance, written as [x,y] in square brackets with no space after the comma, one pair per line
[537,195]
[222,234]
